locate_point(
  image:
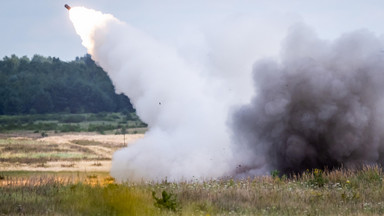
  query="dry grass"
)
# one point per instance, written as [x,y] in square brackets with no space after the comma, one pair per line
[86,192]
[71,152]
[345,192]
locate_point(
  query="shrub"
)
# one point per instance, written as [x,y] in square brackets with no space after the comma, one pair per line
[317,178]
[275,174]
[167,201]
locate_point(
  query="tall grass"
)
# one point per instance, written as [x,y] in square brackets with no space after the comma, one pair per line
[55,197]
[314,192]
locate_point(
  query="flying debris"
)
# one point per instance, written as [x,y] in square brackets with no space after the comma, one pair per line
[67,6]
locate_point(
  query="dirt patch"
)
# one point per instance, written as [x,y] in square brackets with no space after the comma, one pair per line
[62,152]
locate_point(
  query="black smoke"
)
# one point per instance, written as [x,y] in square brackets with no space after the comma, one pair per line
[320,105]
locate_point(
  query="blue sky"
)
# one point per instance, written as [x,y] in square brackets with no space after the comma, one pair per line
[43,27]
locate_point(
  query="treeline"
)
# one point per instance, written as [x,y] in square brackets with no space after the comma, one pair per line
[49,85]
[58,122]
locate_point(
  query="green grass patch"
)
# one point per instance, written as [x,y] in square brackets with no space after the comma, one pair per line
[87,122]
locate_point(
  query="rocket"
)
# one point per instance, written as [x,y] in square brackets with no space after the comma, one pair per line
[67,6]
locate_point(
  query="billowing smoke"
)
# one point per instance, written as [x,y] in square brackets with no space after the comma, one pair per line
[187,136]
[321,105]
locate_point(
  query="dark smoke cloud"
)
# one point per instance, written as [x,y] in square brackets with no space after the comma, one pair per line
[321,105]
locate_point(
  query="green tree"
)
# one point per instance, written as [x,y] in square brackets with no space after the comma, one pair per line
[48,85]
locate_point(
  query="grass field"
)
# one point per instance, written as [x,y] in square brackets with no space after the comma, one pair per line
[340,192]
[65,142]
[61,152]
[61,173]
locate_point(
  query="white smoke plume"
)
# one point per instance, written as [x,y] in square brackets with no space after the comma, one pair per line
[320,106]
[187,136]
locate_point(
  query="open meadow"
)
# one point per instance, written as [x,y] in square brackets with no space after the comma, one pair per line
[65,152]
[339,192]
[67,142]
[67,173]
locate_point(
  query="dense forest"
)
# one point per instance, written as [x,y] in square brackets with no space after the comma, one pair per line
[49,85]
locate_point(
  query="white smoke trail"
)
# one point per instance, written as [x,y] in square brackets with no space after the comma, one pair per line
[187,136]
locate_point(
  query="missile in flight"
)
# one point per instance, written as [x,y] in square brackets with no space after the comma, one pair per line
[67,6]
